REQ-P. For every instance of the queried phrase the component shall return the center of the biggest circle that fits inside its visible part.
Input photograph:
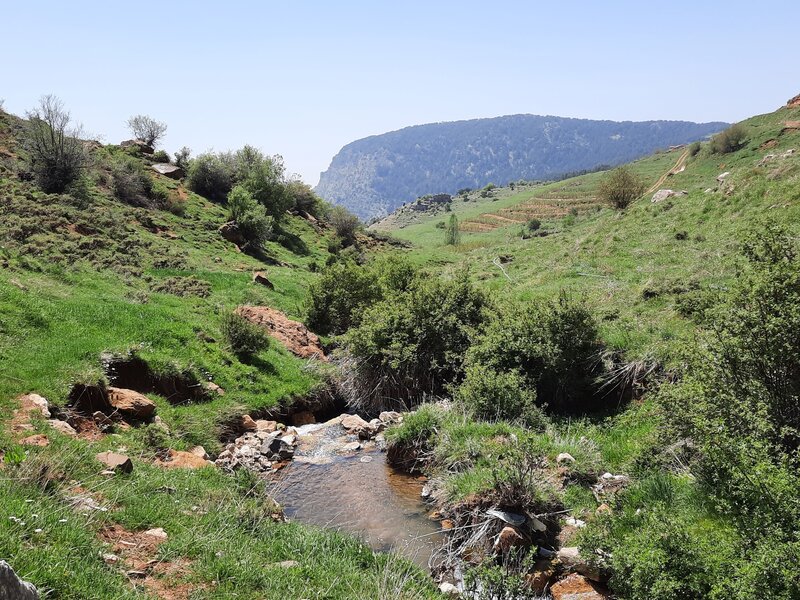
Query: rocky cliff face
(375, 175)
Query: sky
(302, 78)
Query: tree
(263, 177)
(345, 223)
(147, 129)
(250, 217)
(620, 187)
(182, 158)
(55, 152)
(452, 236)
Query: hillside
(375, 175)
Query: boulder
(63, 427)
(292, 334)
(14, 588)
(199, 451)
(353, 423)
(565, 458)
(157, 533)
(115, 461)
(248, 424)
(507, 539)
(794, 102)
(179, 459)
(38, 440)
(664, 194)
(168, 170)
(34, 403)
(261, 278)
(268, 426)
(131, 403)
(138, 146)
(213, 388)
(540, 577)
(305, 417)
(230, 231)
(577, 587)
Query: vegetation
(344, 223)
(250, 217)
(729, 140)
(244, 338)
(147, 129)
(452, 236)
(620, 187)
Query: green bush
(553, 346)
(211, 175)
(452, 234)
(244, 338)
(620, 187)
(534, 224)
(130, 182)
(694, 148)
(160, 156)
(494, 396)
(345, 224)
(250, 217)
(729, 140)
(263, 177)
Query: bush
(452, 234)
(729, 140)
(620, 187)
(244, 338)
(694, 148)
(304, 199)
(130, 183)
(263, 177)
(182, 158)
(211, 175)
(534, 224)
(56, 155)
(250, 217)
(494, 396)
(147, 129)
(552, 346)
(344, 223)
(160, 156)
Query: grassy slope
(64, 299)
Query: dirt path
(675, 169)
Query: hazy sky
(304, 78)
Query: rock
(448, 589)
(571, 560)
(577, 587)
(102, 421)
(305, 417)
(213, 388)
(37, 440)
(168, 170)
(353, 423)
(261, 278)
(199, 451)
(178, 459)
(542, 575)
(157, 533)
(115, 461)
(138, 145)
(788, 153)
(664, 194)
(282, 448)
(351, 447)
(63, 427)
(110, 559)
(231, 232)
(34, 403)
(603, 509)
(292, 334)
(131, 403)
(537, 525)
(14, 588)
(390, 417)
(790, 126)
(565, 458)
(427, 492)
(247, 423)
(722, 176)
(366, 459)
(573, 522)
(507, 539)
(507, 517)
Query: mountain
(374, 175)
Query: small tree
(621, 187)
(147, 129)
(729, 140)
(452, 235)
(345, 223)
(55, 152)
(182, 158)
(250, 217)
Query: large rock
(292, 334)
(179, 459)
(36, 404)
(794, 102)
(577, 587)
(571, 560)
(664, 194)
(115, 461)
(63, 427)
(507, 539)
(130, 403)
(14, 588)
(138, 145)
(168, 170)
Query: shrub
(263, 177)
(304, 199)
(182, 158)
(56, 155)
(551, 345)
(129, 181)
(729, 140)
(452, 234)
(620, 187)
(250, 217)
(160, 156)
(211, 175)
(147, 129)
(694, 148)
(344, 223)
(440, 225)
(534, 224)
(491, 395)
(244, 338)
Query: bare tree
(55, 152)
(147, 129)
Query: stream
(331, 484)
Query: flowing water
(358, 493)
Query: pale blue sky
(304, 78)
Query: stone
(305, 417)
(722, 176)
(213, 388)
(179, 459)
(102, 421)
(268, 426)
(565, 458)
(37, 440)
(292, 334)
(284, 564)
(390, 417)
(537, 525)
(354, 423)
(199, 451)
(794, 102)
(507, 539)
(664, 194)
(577, 587)
(168, 170)
(131, 403)
(63, 427)
(35, 403)
(14, 588)
(261, 278)
(157, 533)
(115, 461)
(542, 575)
(351, 447)
(571, 560)
(366, 458)
(603, 509)
(138, 145)
(248, 424)
(110, 559)
(448, 589)
(231, 232)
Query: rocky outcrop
(292, 334)
(260, 451)
(138, 146)
(261, 278)
(168, 170)
(231, 232)
(14, 588)
(664, 194)
(794, 102)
